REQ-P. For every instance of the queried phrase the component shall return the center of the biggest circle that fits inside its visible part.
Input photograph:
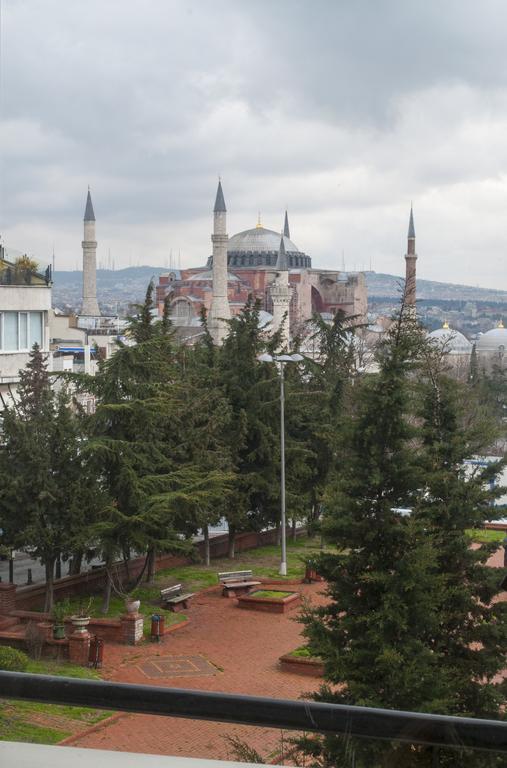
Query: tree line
(183, 436)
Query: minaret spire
(220, 310)
(410, 267)
(280, 295)
(286, 230)
(89, 305)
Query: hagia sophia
(252, 269)
(269, 266)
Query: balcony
(435, 733)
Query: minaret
(280, 294)
(410, 264)
(90, 305)
(220, 310)
(286, 230)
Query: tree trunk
(76, 563)
(106, 594)
(58, 570)
(294, 529)
(152, 555)
(207, 558)
(49, 566)
(232, 542)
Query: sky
(343, 112)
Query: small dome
(494, 340)
(259, 240)
(453, 341)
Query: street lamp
(282, 360)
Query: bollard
(96, 653)
(29, 579)
(157, 627)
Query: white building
(25, 302)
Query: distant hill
(388, 286)
(127, 285)
(121, 286)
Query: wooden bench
(174, 596)
(236, 582)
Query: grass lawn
(150, 603)
(36, 723)
(486, 535)
(264, 561)
(270, 593)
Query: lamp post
(282, 360)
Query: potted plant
(311, 571)
(27, 266)
(81, 618)
(60, 611)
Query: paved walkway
(222, 649)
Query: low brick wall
(92, 582)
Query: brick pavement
(243, 647)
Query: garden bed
(270, 600)
(301, 662)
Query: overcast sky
(342, 111)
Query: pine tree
(45, 507)
(251, 390)
(408, 597)
(472, 626)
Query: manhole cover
(177, 666)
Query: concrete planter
(302, 665)
(254, 602)
(80, 624)
(132, 606)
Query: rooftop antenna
(343, 260)
(53, 259)
(179, 258)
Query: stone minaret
(90, 305)
(286, 230)
(220, 310)
(410, 262)
(280, 294)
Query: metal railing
(351, 721)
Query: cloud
(345, 112)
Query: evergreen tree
(472, 627)
(408, 597)
(46, 507)
(251, 390)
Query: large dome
(259, 247)
(259, 240)
(493, 341)
(453, 341)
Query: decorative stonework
(177, 666)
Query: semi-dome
(453, 341)
(493, 341)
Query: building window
(19, 331)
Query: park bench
(236, 582)
(173, 596)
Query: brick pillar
(79, 648)
(7, 598)
(131, 628)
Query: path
(243, 648)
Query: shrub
(13, 660)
